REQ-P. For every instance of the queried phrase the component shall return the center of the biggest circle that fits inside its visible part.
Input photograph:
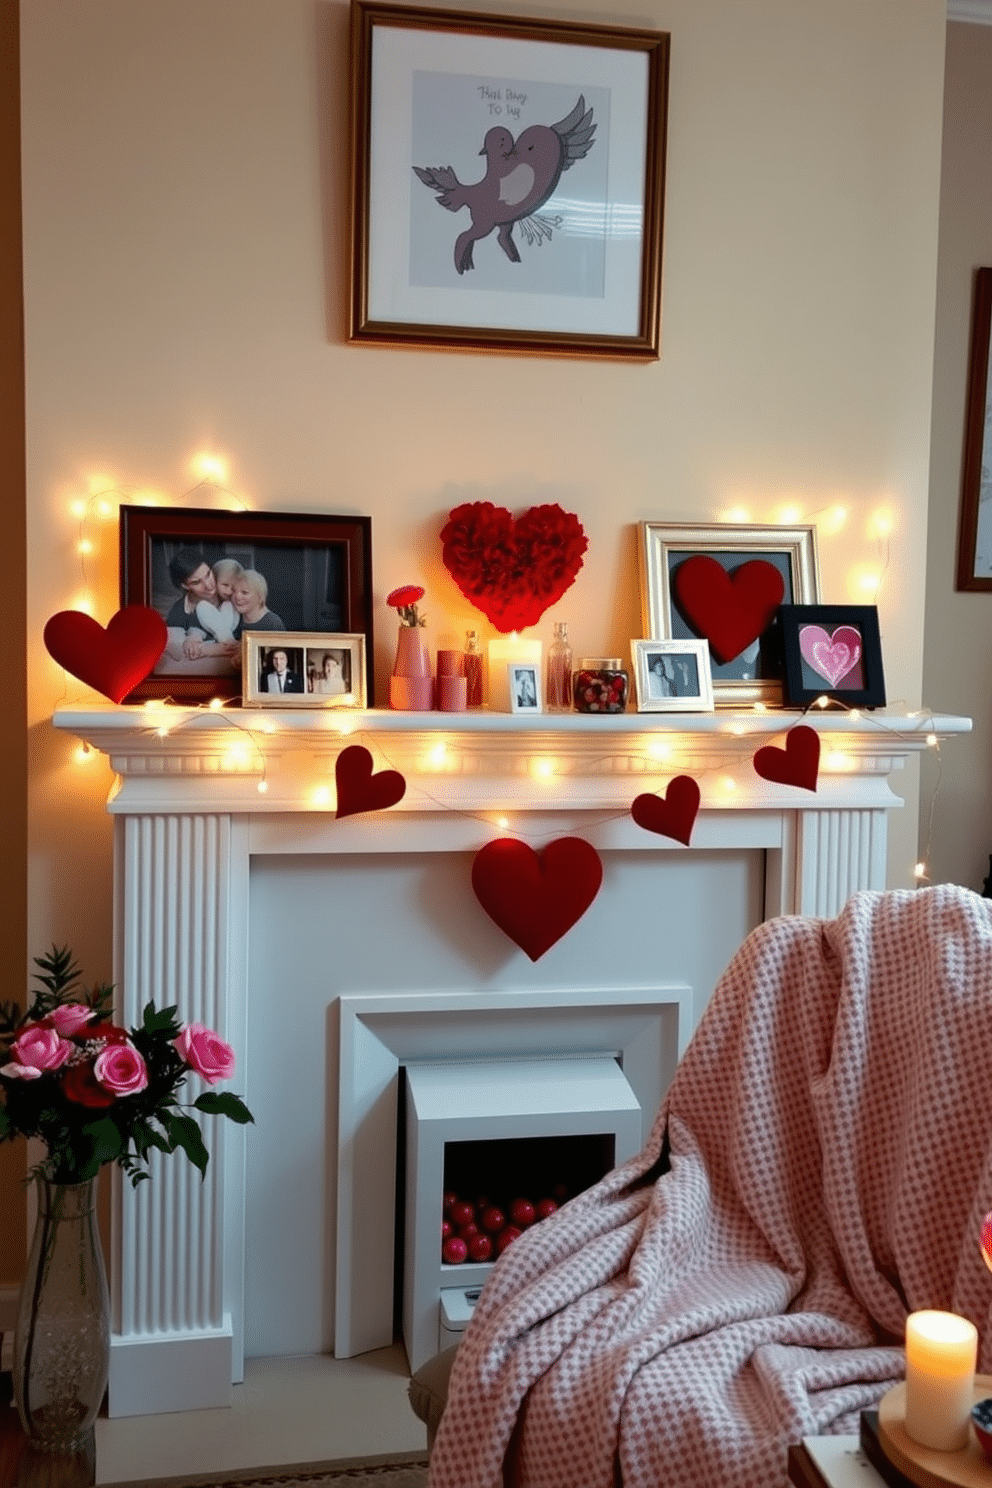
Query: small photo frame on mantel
(298, 669)
(525, 688)
(672, 676)
(832, 651)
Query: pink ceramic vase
(411, 686)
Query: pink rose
(121, 1069)
(37, 1050)
(69, 1018)
(205, 1052)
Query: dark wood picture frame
(974, 539)
(804, 684)
(334, 582)
(447, 77)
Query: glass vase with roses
(93, 1092)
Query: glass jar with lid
(600, 684)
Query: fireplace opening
(492, 1146)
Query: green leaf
(223, 1103)
(184, 1132)
(163, 1021)
(106, 1141)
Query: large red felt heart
(536, 900)
(359, 789)
(670, 815)
(512, 570)
(797, 764)
(112, 660)
(730, 609)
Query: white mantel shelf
(171, 758)
(199, 795)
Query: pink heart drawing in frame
(834, 655)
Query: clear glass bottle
(559, 686)
(473, 670)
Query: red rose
(80, 1085)
(400, 598)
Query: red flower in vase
(404, 600)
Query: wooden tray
(968, 1468)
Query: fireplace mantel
(199, 795)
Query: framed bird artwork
(507, 182)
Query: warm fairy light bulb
(502, 823)
(346, 727)
(736, 727)
(760, 708)
(833, 520)
(932, 740)
(854, 713)
(84, 546)
(262, 787)
(823, 701)
(84, 754)
(216, 703)
(105, 510)
(839, 760)
(736, 514)
(439, 754)
(209, 467)
(83, 602)
(321, 795)
(77, 508)
(880, 523)
(789, 516)
(236, 757)
(660, 749)
(869, 581)
(920, 870)
(729, 785)
(163, 730)
(542, 769)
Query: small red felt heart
(536, 900)
(730, 609)
(512, 569)
(359, 789)
(670, 815)
(112, 660)
(797, 764)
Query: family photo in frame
(297, 669)
(217, 576)
(672, 676)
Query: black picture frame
(431, 84)
(974, 533)
(318, 569)
(808, 677)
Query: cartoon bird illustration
(520, 177)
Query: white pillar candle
(941, 1353)
(504, 652)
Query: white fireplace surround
(199, 795)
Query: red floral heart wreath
(512, 569)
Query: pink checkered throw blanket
(830, 1131)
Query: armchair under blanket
(819, 1168)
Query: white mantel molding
(172, 759)
(189, 818)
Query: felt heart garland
(535, 900)
(512, 569)
(671, 815)
(361, 790)
(113, 660)
(729, 609)
(797, 764)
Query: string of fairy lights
(248, 753)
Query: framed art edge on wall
(398, 299)
(974, 533)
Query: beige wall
(185, 225)
(12, 737)
(958, 654)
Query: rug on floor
(389, 1471)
